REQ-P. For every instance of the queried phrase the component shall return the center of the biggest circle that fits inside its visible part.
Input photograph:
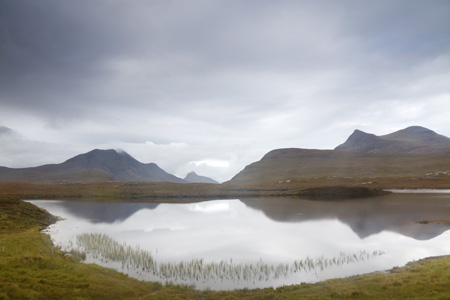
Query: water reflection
(276, 231)
(396, 212)
(97, 212)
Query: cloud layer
(224, 82)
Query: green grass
(30, 269)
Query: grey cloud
(253, 74)
(64, 45)
(6, 131)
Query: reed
(105, 248)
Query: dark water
(273, 232)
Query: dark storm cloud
(53, 48)
(49, 51)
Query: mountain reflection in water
(98, 212)
(399, 213)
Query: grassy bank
(331, 187)
(31, 268)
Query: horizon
(122, 151)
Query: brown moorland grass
(304, 164)
(181, 192)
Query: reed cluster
(105, 248)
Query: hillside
(414, 139)
(412, 152)
(96, 165)
(287, 164)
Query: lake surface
(228, 244)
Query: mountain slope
(414, 139)
(194, 178)
(414, 151)
(96, 165)
(287, 164)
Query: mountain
(412, 152)
(288, 164)
(96, 165)
(414, 139)
(194, 178)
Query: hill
(412, 152)
(96, 165)
(414, 139)
(287, 164)
(195, 178)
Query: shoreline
(419, 191)
(32, 269)
(275, 287)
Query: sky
(212, 85)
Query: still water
(248, 243)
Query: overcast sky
(211, 86)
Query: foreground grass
(30, 268)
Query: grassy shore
(31, 268)
(330, 187)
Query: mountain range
(413, 151)
(96, 165)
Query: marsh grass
(105, 248)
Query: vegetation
(331, 187)
(141, 261)
(31, 268)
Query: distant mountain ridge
(195, 178)
(413, 151)
(414, 139)
(96, 165)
